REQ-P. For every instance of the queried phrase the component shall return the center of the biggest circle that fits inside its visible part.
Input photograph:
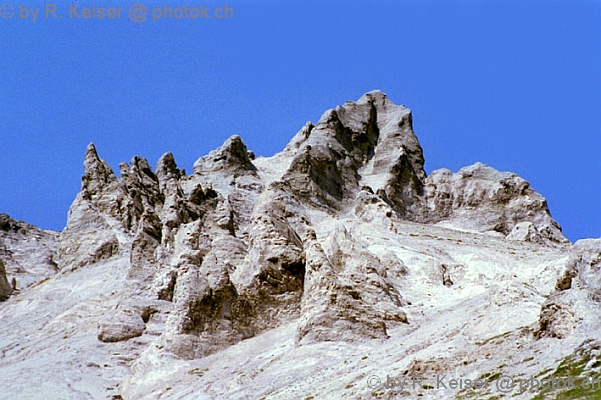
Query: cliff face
(227, 245)
(339, 240)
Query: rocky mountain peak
(232, 156)
(365, 143)
(340, 244)
(97, 174)
(167, 168)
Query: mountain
(335, 269)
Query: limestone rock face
(370, 142)
(350, 297)
(28, 253)
(563, 308)
(291, 272)
(587, 264)
(556, 320)
(233, 157)
(525, 231)
(480, 198)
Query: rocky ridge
(27, 255)
(340, 240)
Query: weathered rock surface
(289, 272)
(5, 288)
(28, 253)
(122, 325)
(482, 199)
(348, 298)
(564, 307)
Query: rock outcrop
(121, 325)
(27, 252)
(564, 307)
(339, 240)
(347, 295)
(482, 199)
(5, 288)
(224, 246)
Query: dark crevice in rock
(167, 292)
(283, 277)
(446, 275)
(5, 288)
(205, 314)
(200, 195)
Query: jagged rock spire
(97, 174)
(232, 156)
(167, 168)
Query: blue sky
(513, 84)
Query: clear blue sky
(513, 84)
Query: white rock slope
(334, 269)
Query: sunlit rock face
(28, 255)
(303, 265)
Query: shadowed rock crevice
(404, 189)
(5, 288)
(166, 293)
(216, 308)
